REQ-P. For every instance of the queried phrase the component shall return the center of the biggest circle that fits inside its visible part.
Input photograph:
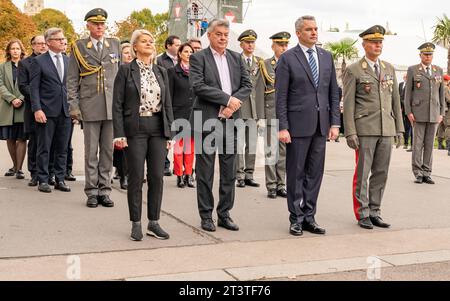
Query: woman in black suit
(182, 97)
(142, 118)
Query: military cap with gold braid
(374, 33)
(427, 48)
(248, 35)
(97, 15)
(281, 37)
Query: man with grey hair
(51, 109)
(93, 67)
(307, 99)
(221, 82)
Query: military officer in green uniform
(252, 109)
(275, 150)
(92, 69)
(447, 112)
(372, 118)
(425, 108)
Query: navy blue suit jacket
(300, 105)
(48, 92)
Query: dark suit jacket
(127, 99)
(164, 61)
(24, 78)
(300, 105)
(181, 93)
(48, 93)
(401, 90)
(205, 80)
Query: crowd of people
(135, 105)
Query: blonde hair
(136, 35)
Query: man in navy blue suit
(51, 110)
(308, 111)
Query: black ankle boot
(189, 180)
(180, 182)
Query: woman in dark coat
(182, 101)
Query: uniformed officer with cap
(92, 69)
(275, 150)
(372, 117)
(252, 109)
(425, 107)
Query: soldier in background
(447, 112)
(93, 67)
(408, 128)
(425, 106)
(252, 109)
(275, 150)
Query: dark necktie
(428, 71)
(59, 67)
(99, 47)
(249, 62)
(313, 65)
(377, 71)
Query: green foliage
(48, 18)
(344, 49)
(442, 35)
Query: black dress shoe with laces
(51, 181)
(282, 193)
(365, 223)
(240, 184)
(208, 225)
(61, 186)
(136, 232)
(227, 223)
(313, 228)
(296, 229)
(251, 183)
(378, 221)
(189, 180)
(33, 182)
(70, 177)
(419, 180)
(428, 180)
(44, 187)
(272, 194)
(92, 201)
(105, 201)
(155, 230)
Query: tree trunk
(448, 60)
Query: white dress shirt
(316, 57)
(372, 64)
(224, 71)
(173, 58)
(53, 56)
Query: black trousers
(69, 165)
(32, 153)
(305, 161)
(225, 143)
(408, 130)
(56, 131)
(149, 145)
(120, 162)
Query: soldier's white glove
(353, 142)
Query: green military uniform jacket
(90, 80)
(253, 107)
(8, 92)
(268, 70)
(447, 100)
(371, 105)
(424, 94)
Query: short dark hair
(170, 41)
(180, 50)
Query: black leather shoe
(296, 229)
(92, 201)
(44, 187)
(272, 194)
(20, 175)
(155, 230)
(124, 183)
(365, 223)
(33, 182)
(61, 186)
(167, 172)
(313, 228)
(282, 192)
(105, 201)
(378, 221)
(428, 180)
(51, 181)
(240, 184)
(251, 183)
(419, 180)
(189, 180)
(70, 177)
(208, 225)
(136, 232)
(228, 224)
(180, 182)
(10, 173)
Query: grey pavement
(43, 236)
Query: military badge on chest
(366, 84)
(114, 58)
(388, 82)
(418, 81)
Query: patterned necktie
(313, 65)
(59, 67)
(249, 62)
(377, 71)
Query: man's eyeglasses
(39, 44)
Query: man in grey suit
(425, 107)
(221, 82)
(308, 109)
(93, 66)
(252, 109)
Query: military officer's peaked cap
(281, 37)
(427, 48)
(248, 35)
(374, 33)
(97, 15)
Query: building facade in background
(33, 7)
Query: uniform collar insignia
(383, 65)
(106, 43)
(364, 65)
(89, 44)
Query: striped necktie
(313, 65)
